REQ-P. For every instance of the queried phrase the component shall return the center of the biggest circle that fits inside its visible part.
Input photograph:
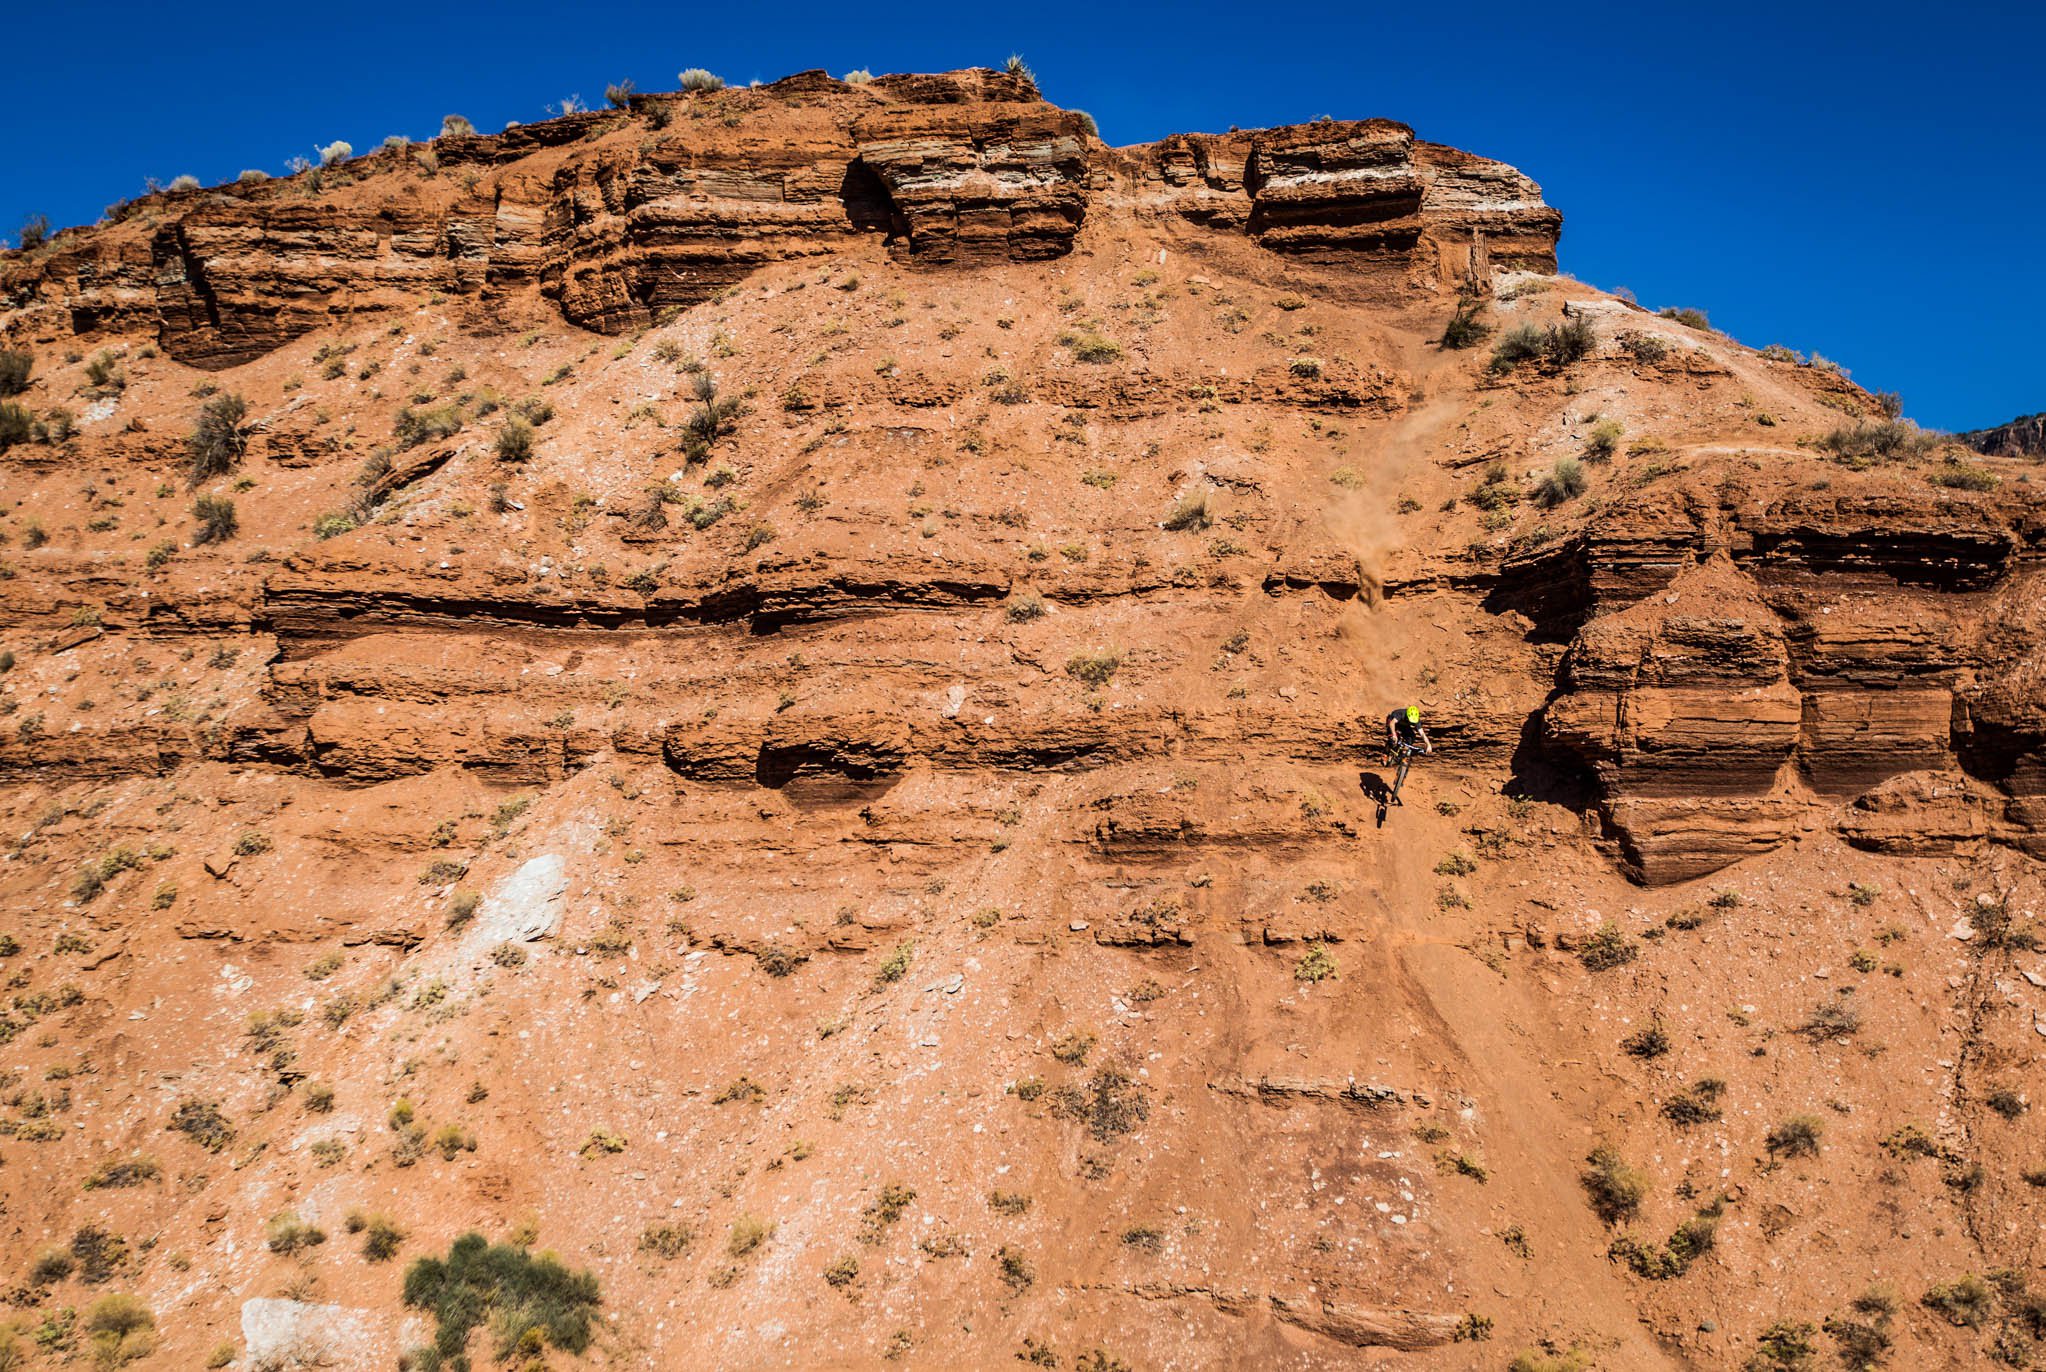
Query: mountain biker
(1404, 737)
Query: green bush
(14, 371)
(288, 1234)
(1565, 481)
(1963, 476)
(1689, 318)
(17, 425)
(1465, 329)
(414, 427)
(216, 519)
(515, 440)
(530, 1301)
(697, 79)
(1557, 346)
(1608, 947)
(1786, 1346)
(202, 1122)
(120, 1326)
(455, 126)
(1093, 668)
(1603, 440)
(1614, 1188)
(1867, 442)
(35, 231)
(218, 439)
(1966, 1302)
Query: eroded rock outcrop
(619, 216)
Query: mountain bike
(1400, 754)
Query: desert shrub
(453, 1139)
(35, 231)
(381, 1237)
(1465, 329)
(51, 1265)
(337, 151)
(1966, 1302)
(1649, 1042)
(455, 126)
(1956, 474)
(129, 1172)
(1796, 1137)
(2006, 1102)
(515, 440)
(1190, 512)
(121, 1329)
(215, 518)
(710, 420)
(1316, 964)
(218, 439)
(1306, 368)
(618, 95)
(1690, 1241)
(1696, 1104)
(844, 1271)
(1833, 1019)
(1786, 1346)
(1867, 442)
(1521, 343)
(1093, 668)
(286, 1233)
(333, 524)
(1689, 318)
(202, 1123)
(858, 76)
(1090, 346)
(697, 79)
(1015, 1268)
(1565, 481)
(1025, 607)
(104, 371)
(1609, 946)
(666, 1241)
(1008, 1202)
(14, 371)
(1603, 440)
(413, 427)
(1557, 346)
(1110, 1104)
(1644, 347)
(1614, 1188)
(99, 1253)
(897, 964)
(17, 425)
(531, 1301)
(747, 1234)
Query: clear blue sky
(1867, 180)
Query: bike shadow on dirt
(1374, 788)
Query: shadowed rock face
(619, 217)
(2022, 437)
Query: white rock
(281, 1334)
(527, 904)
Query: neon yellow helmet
(1413, 714)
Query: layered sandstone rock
(623, 216)
(1361, 193)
